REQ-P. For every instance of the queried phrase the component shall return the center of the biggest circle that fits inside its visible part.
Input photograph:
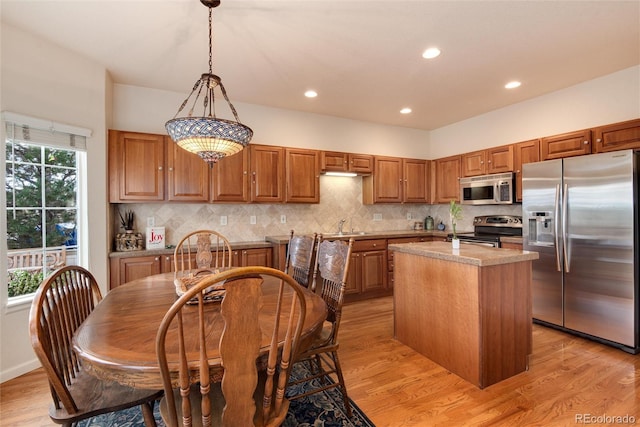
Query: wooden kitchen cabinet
(139, 164)
(367, 276)
(136, 167)
(566, 145)
(126, 269)
(254, 256)
(447, 179)
(267, 166)
(474, 163)
(617, 136)
(416, 174)
(187, 175)
(524, 152)
(333, 161)
(397, 180)
(230, 179)
(302, 170)
(500, 159)
(510, 245)
(486, 162)
(385, 185)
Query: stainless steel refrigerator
(581, 215)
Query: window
(44, 212)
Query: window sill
(20, 303)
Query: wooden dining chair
(62, 302)
(330, 276)
(201, 250)
(256, 358)
(300, 257)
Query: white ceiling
(362, 57)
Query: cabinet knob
(482, 162)
(168, 258)
(159, 168)
(599, 140)
(489, 161)
(586, 142)
(375, 244)
(157, 258)
(170, 169)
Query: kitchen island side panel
(474, 321)
(436, 312)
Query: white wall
(42, 80)
(147, 110)
(609, 99)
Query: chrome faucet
(340, 225)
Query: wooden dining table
(117, 341)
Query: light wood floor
(568, 377)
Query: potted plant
(455, 213)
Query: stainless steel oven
(489, 228)
(487, 189)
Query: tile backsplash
(340, 198)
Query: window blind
(20, 128)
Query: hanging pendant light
(208, 136)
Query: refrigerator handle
(556, 222)
(565, 248)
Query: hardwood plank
(395, 386)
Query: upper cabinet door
(267, 173)
(188, 175)
(416, 180)
(385, 186)
(360, 163)
(333, 161)
(474, 163)
(524, 152)
(136, 167)
(230, 178)
(619, 136)
(500, 159)
(447, 173)
(303, 176)
(566, 145)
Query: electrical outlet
(223, 220)
(283, 219)
(377, 217)
(252, 219)
(151, 221)
(409, 218)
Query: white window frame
(17, 303)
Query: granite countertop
(388, 234)
(481, 256)
(170, 250)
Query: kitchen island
(469, 310)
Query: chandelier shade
(209, 137)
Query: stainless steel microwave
(495, 189)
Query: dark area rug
(323, 409)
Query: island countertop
(467, 254)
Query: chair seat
(217, 404)
(90, 393)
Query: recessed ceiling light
(405, 110)
(512, 85)
(311, 94)
(431, 53)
